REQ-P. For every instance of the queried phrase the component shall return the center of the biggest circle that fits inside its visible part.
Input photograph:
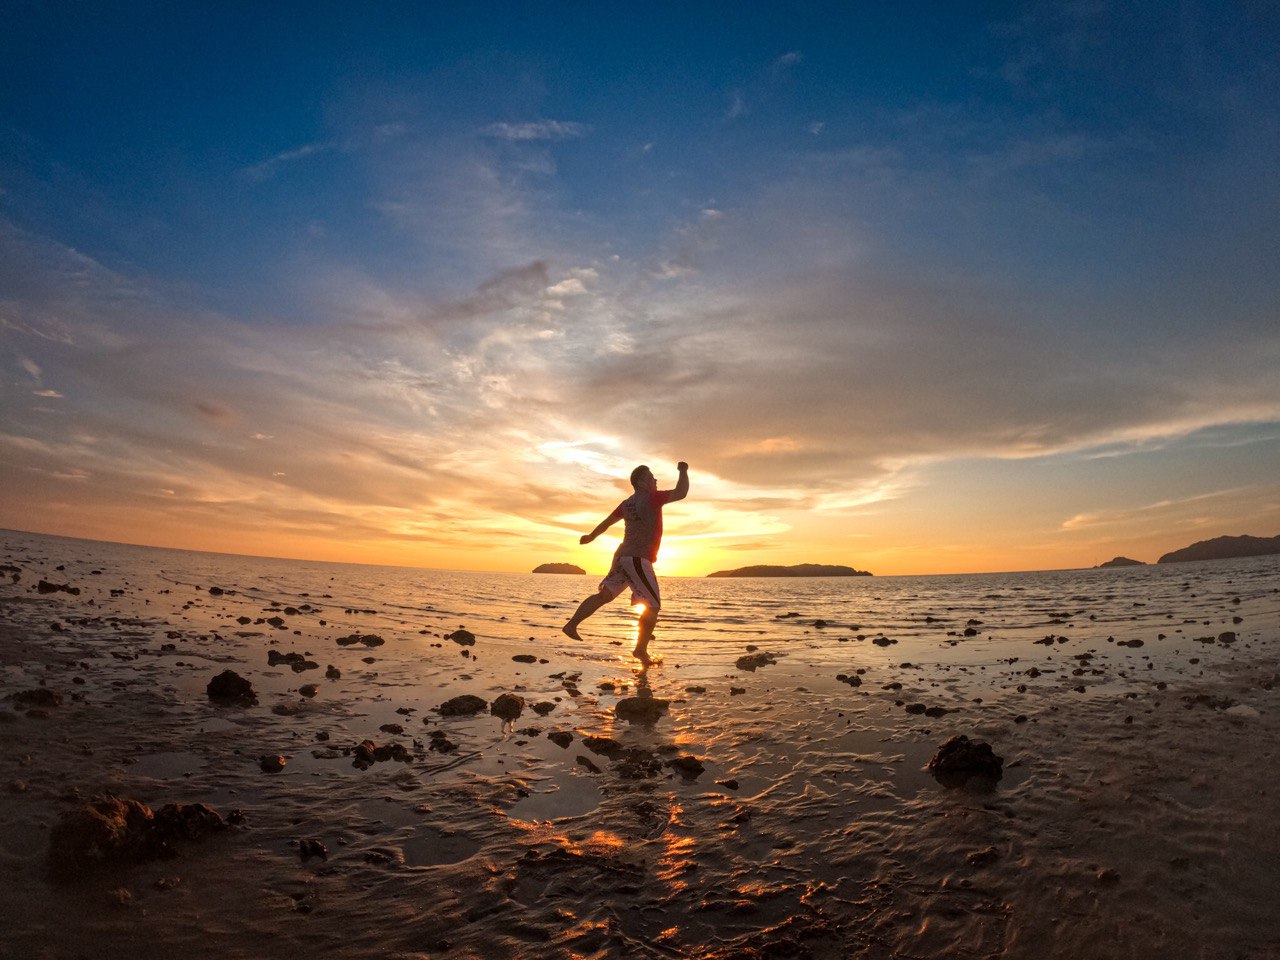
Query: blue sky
(299, 276)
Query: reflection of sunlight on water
(676, 860)
(603, 843)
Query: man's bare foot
(571, 630)
(642, 656)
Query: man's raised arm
(602, 526)
(682, 485)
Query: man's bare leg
(647, 621)
(585, 609)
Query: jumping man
(633, 560)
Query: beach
(773, 806)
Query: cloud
(792, 58)
(536, 130)
(737, 105)
(266, 169)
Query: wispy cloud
(536, 130)
(266, 169)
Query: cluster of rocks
(296, 661)
(109, 828)
(368, 639)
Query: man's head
(642, 479)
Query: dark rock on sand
(295, 660)
(271, 763)
(111, 829)
(508, 706)
(464, 638)
(543, 707)
(753, 661)
(308, 690)
(230, 687)
(852, 679)
(44, 586)
(312, 848)
(524, 658)
(688, 766)
(368, 639)
(641, 709)
(561, 738)
(462, 706)
(41, 698)
(558, 568)
(332, 673)
(960, 758)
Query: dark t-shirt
(642, 513)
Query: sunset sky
(918, 288)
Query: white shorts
(636, 573)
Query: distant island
(557, 568)
(796, 570)
(1225, 548)
(1120, 562)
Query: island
(1120, 562)
(795, 570)
(557, 568)
(1225, 548)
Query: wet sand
(1136, 815)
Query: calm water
(701, 616)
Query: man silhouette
(633, 560)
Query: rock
(462, 706)
(525, 658)
(44, 586)
(561, 738)
(883, 641)
(368, 639)
(1228, 636)
(960, 758)
(509, 706)
(543, 707)
(980, 858)
(295, 660)
(271, 763)
(312, 848)
(308, 690)
(641, 709)
(230, 687)
(40, 697)
(109, 828)
(216, 591)
(440, 743)
(688, 766)
(464, 638)
(332, 673)
(753, 661)
(603, 746)
(915, 708)
(394, 728)
(852, 679)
